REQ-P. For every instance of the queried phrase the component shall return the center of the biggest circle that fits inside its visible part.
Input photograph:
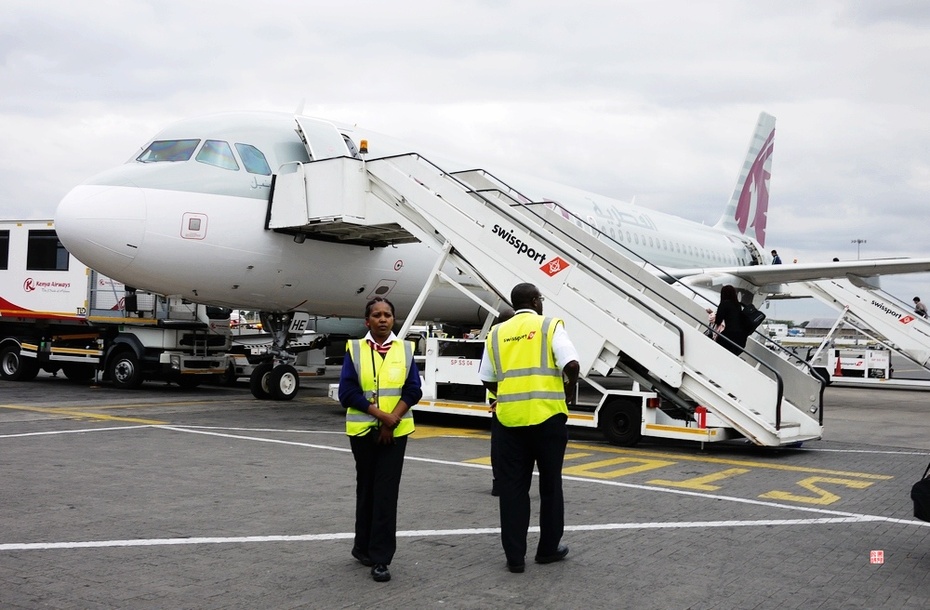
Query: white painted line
(255, 438)
(51, 432)
(287, 430)
(45, 546)
(875, 451)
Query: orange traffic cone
(839, 368)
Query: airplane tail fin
(747, 211)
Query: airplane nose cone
(103, 226)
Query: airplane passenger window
(168, 150)
(45, 253)
(218, 153)
(4, 249)
(253, 159)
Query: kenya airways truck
(56, 314)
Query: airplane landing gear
(276, 378)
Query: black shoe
(363, 558)
(380, 573)
(559, 555)
(516, 567)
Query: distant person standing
(776, 260)
(379, 384)
(524, 363)
(919, 308)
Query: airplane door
(322, 139)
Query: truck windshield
(168, 150)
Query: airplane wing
(767, 278)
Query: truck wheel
(258, 381)
(14, 367)
(124, 370)
(283, 382)
(78, 372)
(620, 421)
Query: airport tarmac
(171, 498)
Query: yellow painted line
(82, 414)
(729, 462)
(422, 431)
(183, 403)
(703, 483)
(576, 455)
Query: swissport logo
(556, 265)
(518, 244)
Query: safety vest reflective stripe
(387, 387)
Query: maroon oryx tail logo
(757, 183)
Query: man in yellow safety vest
(532, 366)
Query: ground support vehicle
(59, 315)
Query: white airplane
(188, 214)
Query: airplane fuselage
(182, 219)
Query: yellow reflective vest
(529, 386)
(382, 380)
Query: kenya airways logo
(31, 285)
(757, 183)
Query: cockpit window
(218, 153)
(253, 159)
(168, 150)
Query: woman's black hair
(370, 303)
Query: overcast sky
(653, 101)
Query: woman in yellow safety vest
(379, 384)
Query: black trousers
(514, 451)
(377, 484)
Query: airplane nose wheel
(258, 381)
(269, 382)
(283, 382)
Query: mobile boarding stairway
(617, 312)
(872, 311)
